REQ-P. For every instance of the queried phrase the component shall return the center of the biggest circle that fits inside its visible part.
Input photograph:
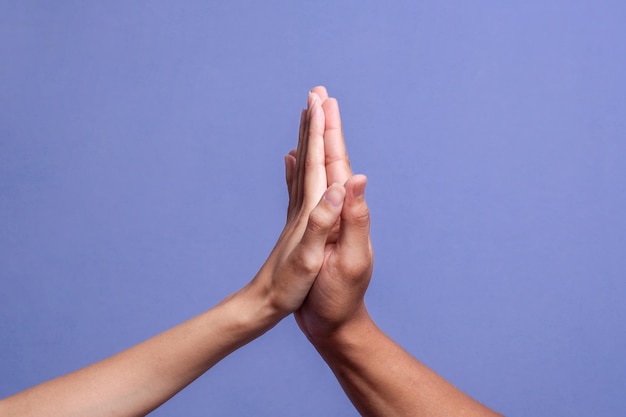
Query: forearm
(136, 381)
(382, 379)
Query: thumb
(321, 221)
(355, 216)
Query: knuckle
(318, 222)
(308, 261)
(360, 215)
(333, 159)
(309, 162)
(314, 158)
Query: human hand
(137, 380)
(336, 297)
(315, 206)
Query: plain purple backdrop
(141, 181)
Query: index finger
(336, 160)
(314, 172)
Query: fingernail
(359, 191)
(312, 99)
(334, 195)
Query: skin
(319, 270)
(138, 380)
(379, 377)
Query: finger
(290, 173)
(354, 233)
(295, 198)
(290, 168)
(337, 162)
(321, 92)
(321, 220)
(314, 171)
(307, 257)
(301, 152)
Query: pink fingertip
(359, 189)
(313, 97)
(335, 195)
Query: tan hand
(336, 297)
(287, 276)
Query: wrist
(252, 311)
(350, 332)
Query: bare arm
(136, 381)
(380, 378)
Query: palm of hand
(339, 288)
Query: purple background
(141, 181)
